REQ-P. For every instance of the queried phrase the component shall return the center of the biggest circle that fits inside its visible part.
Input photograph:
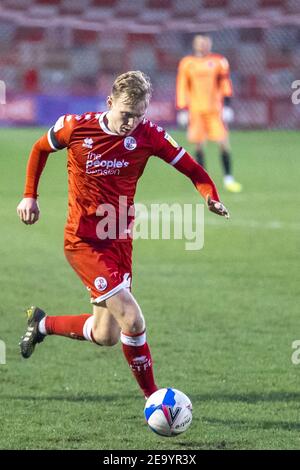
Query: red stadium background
(61, 56)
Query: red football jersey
(102, 166)
(103, 170)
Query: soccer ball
(168, 412)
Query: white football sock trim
(87, 329)
(42, 326)
(139, 340)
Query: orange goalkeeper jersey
(202, 83)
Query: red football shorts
(104, 269)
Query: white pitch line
(270, 225)
(218, 222)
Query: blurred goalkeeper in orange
(203, 97)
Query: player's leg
(200, 156)
(100, 328)
(225, 154)
(218, 132)
(104, 329)
(197, 135)
(130, 319)
(39, 325)
(107, 274)
(92, 268)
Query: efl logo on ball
(168, 412)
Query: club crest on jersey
(100, 283)
(130, 143)
(88, 143)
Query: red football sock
(138, 356)
(72, 326)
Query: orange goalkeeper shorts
(104, 269)
(206, 126)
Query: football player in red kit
(107, 154)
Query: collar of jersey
(103, 126)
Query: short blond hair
(136, 85)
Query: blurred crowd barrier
(61, 56)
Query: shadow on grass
(211, 445)
(248, 397)
(251, 398)
(72, 398)
(204, 397)
(260, 424)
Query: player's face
(122, 117)
(202, 45)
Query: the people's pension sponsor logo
(96, 165)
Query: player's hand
(28, 210)
(217, 207)
(182, 118)
(228, 114)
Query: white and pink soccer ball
(168, 412)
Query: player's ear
(109, 101)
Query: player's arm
(182, 94)
(167, 148)
(225, 86)
(184, 163)
(28, 209)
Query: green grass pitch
(221, 321)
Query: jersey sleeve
(59, 135)
(199, 177)
(225, 84)
(166, 148)
(35, 165)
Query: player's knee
(133, 324)
(130, 319)
(127, 312)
